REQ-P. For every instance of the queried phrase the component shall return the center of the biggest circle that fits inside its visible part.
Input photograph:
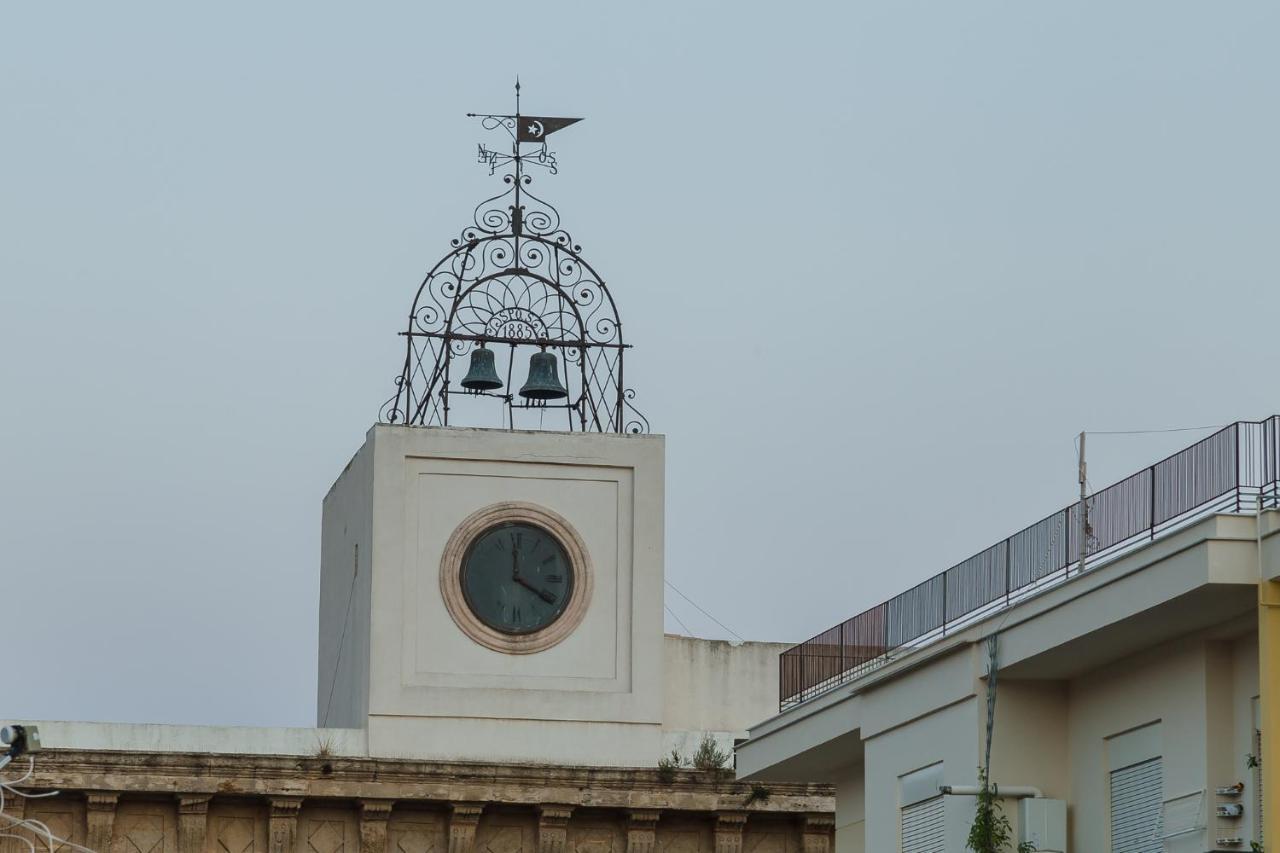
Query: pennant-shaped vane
(538, 128)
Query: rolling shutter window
(923, 827)
(1135, 808)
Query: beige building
(1127, 710)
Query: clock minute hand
(541, 593)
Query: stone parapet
(191, 803)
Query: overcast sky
(880, 262)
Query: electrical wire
(31, 825)
(343, 639)
(1150, 431)
(703, 612)
(679, 621)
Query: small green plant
(759, 794)
(709, 756)
(991, 831)
(668, 765)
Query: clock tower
(497, 594)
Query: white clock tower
(497, 594)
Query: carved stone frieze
(642, 830)
(100, 818)
(553, 823)
(729, 827)
(417, 833)
(125, 802)
(463, 819)
(142, 828)
(63, 816)
(817, 831)
(282, 830)
(373, 825)
(193, 822)
(235, 834)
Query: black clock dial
(516, 578)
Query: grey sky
(880, 263)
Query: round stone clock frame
(451, 570)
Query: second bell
(544, 379)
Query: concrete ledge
(237, 740)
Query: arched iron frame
(515, 279)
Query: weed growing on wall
(991, 831)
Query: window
(923, 811)
(1137, 790)
(1135, 808)
(923, 829)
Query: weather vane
(523, 129)
(515, 280)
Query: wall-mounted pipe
(1016, 792)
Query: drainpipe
(1269, 688)
(1016, 792)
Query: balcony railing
(1232, 470)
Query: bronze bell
(544, 379)
(482, 376)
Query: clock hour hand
(541, 593)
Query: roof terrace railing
(1234, 470)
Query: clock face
(516, 578)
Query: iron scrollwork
(515, 280)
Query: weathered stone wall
(200, 803)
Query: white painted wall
(346, 556)
(717, 685)
(851, 812)
(595, 698)
(1244, 705)
(947, 735)
(1165, 686)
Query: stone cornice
(280, 777)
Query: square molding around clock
(389, 648)
(596, 501)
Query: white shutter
(1135, 808)
(923, 828)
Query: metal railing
(1230, 471)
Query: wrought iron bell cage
(515, 283)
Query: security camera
(20, 739)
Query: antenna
(1084, 507)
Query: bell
(544, 379)
(481, 376)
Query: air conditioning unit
(1043, 823)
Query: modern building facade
(1129, 697)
